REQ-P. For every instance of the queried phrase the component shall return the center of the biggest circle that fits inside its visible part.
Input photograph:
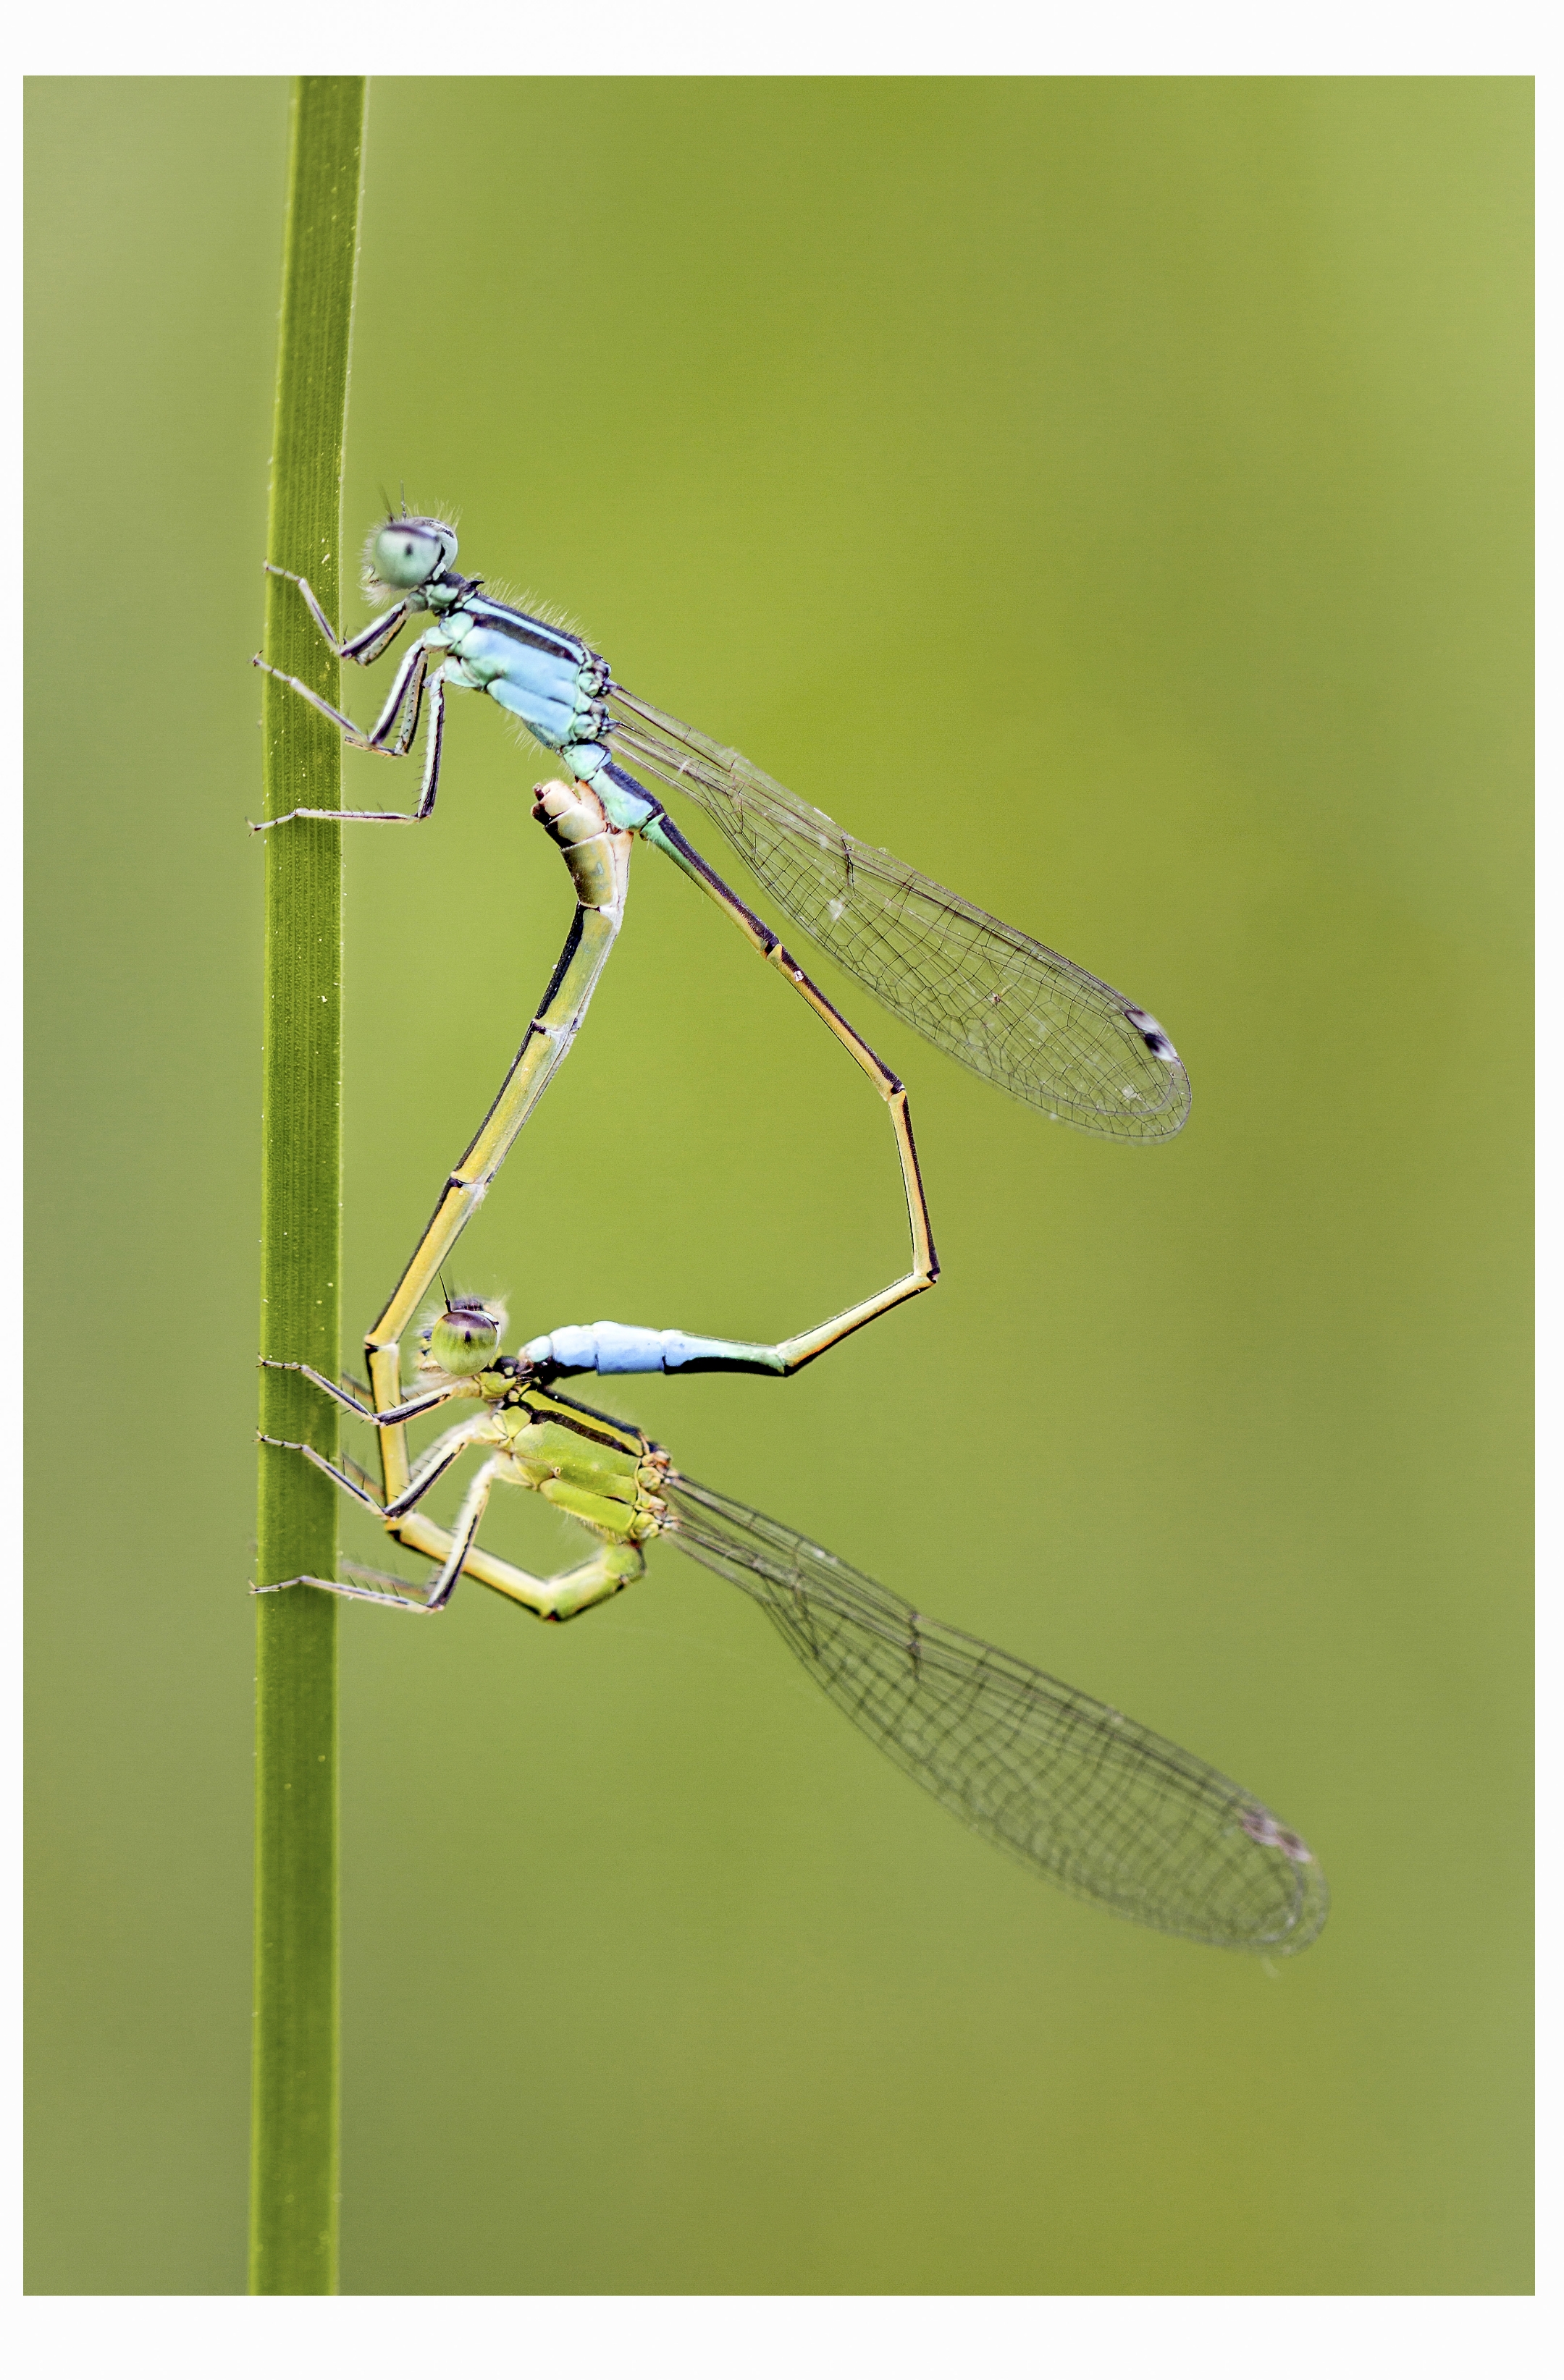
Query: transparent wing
(1007, 1007)
(1111, 1812)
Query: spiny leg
(408, 1601)
(436, 1461)
(408, 1410)
(413, 680)
(432, 1465)
(566, 1596)
(378, 738)
(343, 1475)
(368, 644)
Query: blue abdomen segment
(625, 1347)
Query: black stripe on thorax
(573, 1416)
(524, 630)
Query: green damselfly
(1080, 1794)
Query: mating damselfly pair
(1098, 1804)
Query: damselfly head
(464, 1338)
(406, 552)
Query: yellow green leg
(614, 1566)
(564, 1597)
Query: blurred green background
(1114, 496)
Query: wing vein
(1113, 1813)
(1017, 1012)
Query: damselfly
(1015, 1011)
(1080, 1794)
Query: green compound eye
(466, 1337)
(408, 552)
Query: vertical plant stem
(295, 2118)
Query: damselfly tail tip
(1262, 1827)
(1152, 1034)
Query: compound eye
(466, 1337)
(405, 557)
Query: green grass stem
(295, 2141)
